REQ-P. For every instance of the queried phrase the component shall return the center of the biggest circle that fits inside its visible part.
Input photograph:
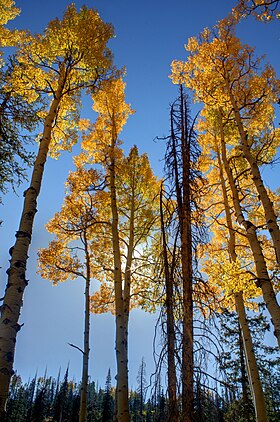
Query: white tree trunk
(9, 325)
(270, 216)
(122, 370)
(263, 280)
(251, 363)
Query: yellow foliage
(229, 278)
(84, 124)
(219, 69)
(86, 214)
(264, 10)
(113, 112)
(57, 264)
(68, 57)
(8, 11)
(9, 38)
(102, 300)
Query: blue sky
(149, 35)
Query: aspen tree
(261, 267)
(70, 56)
(132, 189)
(230, 271)
(259, 254)
(224, 75)
(77, 222)
(251, 363)
(229, 77)
(113, 113)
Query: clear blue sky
(149, 35)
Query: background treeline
(221, 385)
(58, 399)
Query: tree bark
(170, 327)
(251, 363)
(84, 385)
(186, 251)
(270, 216)
(244, 378)
(10, 310)
(127, 271)
(263, 280)
(122, 370)
(183, 196)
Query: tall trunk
(244, 378)
(187, 346)
(251, 363)
(184, 211)
(17, 282)
(233, 257)
(127, 272)
(270, 216)
(186, 244)
(263, 280)
(122, 371)
(170, 330)
(83, 398)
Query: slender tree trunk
(122, 370)
(183, 197)
(127, 272)
(170, 334)
(17, 282)
(251, 363)
(83, 398)
(186, 251)
(187, 340)
(244, 379)
(270, 216)
(263, 280)
(233, 257)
